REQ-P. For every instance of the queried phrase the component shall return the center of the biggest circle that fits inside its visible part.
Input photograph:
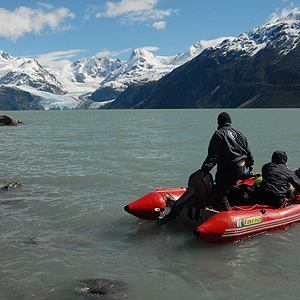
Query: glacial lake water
(80, 168)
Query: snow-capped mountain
(27, 73)
(89, 82)
(92, 67)
(257, 69)
(284, 33)
(88, 74)
(143, 66)
(70, 85)
(85, 74)
(196, 49)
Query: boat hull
(241, 222)
(149, 205)
(237, 223)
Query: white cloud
(106, 53)
(135, 10)
(282, 13)
(58, 58)
(46, 5)
(150, 48)
(14, 24)
(161, 25)
(127, 6)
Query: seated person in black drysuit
(228, 148)
(276, 179)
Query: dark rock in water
(8, 121)
(103, 286)
(10, 186)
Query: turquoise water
(80, 168)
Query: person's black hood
(223, 119)
(279, 157)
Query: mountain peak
(4, 55)
(292, 17)
(283, 33)
(141, 53)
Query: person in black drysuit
(229, 150)
(276, 179)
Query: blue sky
(70, 29)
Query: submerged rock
(8, 121)
(10, 186)
(103, 286)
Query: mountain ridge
(225, 72)
(88, 82)
(253, 70)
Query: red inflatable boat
(237, 223)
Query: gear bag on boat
(241, 194)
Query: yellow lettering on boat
(249, 221)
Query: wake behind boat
(212, 226)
